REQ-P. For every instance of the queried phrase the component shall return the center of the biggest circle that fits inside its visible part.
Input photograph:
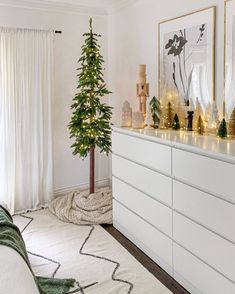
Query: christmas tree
(90, 123)
(156, 111)
(222, 132)
(169, 115)
(176, 122)
(200, 126)
(198, 112)
(214, 119)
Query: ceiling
(75, 6)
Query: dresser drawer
(209, 174)
(196, 276)
(211, 248)
(147, 180)
(152, 211)
(212, 212)
(155, 244)
(148, 153)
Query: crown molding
(55, 7)
(61, 7)
(121, 4)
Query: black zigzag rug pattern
(80, 288)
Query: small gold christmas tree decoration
(232, 124)
(169, 115)
(198, 112)
(200, 126)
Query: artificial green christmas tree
(222, 131)
(176, 122)
(90, 123)
(156, 111)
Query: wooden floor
(150, 265)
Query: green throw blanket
(10, 236)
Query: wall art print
(186, 59)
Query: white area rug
(86, 253)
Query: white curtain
(26, 62)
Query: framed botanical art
(229, 67)
(187, 59)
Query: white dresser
(174, 197)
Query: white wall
(68, 170)
(129, 37)
(133, 39)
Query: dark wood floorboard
(148, 263)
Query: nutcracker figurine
(142, 89)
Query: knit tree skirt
(81, 207)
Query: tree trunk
(92, 170)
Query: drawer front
(196, 276)
(151, 241)
(212, 212)
(148, 181)
(211, 175)
(152, 211)
(148, 153)
(211, 248)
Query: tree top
(90, 22)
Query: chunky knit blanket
(10, 236)
(81, 207)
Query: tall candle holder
(190, 121)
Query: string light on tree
(90, 123)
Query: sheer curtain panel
(26, 63)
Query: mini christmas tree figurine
(90, 123)
(198, 112)
(214, 119)
(181, 112)
(222, 131)
(176, 122)
(169, 115)
(200, 126)
(232, 124)
(148, 117)
(208, 112)
(156, 111)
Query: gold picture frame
(229, 61)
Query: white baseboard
(66, 190)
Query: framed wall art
(187, 59)
(229, 66)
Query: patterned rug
(86, 253)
